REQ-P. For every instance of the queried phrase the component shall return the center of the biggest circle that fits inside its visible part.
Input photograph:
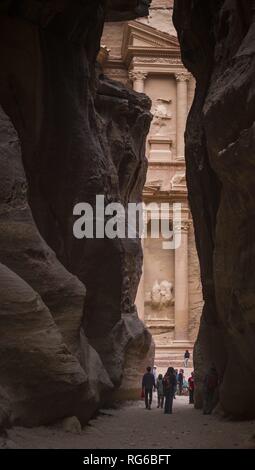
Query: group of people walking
(166, 387)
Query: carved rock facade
(145, 55)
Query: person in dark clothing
(169, 388)
(186, 358)
(211, 381)
(191, 388)
(148, 384)
(176, 375)
(180, 381)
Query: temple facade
(145, 54)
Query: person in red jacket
(191, 388)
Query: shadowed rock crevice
(217, 42)
(67, 135)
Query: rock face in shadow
(121, 10)
(218, 46)
(67, 134)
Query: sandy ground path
(133, 427)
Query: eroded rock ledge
(218, 46)
(68, 323)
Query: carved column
(138, 79)
(182, 79)
(181, 284)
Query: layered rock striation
(218, 47)
(68, 323)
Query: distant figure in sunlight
(148, 384)
(186, 358)
(169, 389)
(160, 391)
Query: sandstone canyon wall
(217, 39)
(68, 324)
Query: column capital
(182, 76)
(137, 75)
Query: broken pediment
(152, 187)
(140, 39)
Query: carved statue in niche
(155, 295)
(160, 296)
(162, 115)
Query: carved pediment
(141, 39)
(152, 187)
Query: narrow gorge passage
(108, 104)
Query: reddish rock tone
(218, 46)
(67, 317)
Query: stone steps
(172, 357)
